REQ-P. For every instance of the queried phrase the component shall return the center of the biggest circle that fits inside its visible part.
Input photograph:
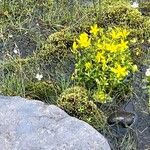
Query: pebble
(122, 118)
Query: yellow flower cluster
(83, 41)
(120, 71)
(119, 33)
(100, 57)
(103, 57)
(94, 30)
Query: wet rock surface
(122, 118)
(32, 125)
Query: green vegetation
(76, 102)
(73, 52)
(125, 16)
(42, 90)
(145, 8)
(103, 60)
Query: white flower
(39, 76)
(16, 49)
(135, 5)
(147, 73)
(10, 35)
(1, 35)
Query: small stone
(122, 118)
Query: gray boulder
(33, 125)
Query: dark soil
(140, 101)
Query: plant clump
(75, 102)
(125, 16)
(23, 77)
(103, 60)
(145, 8)
(55, 53)
(42, 90)
(51, 59)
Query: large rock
(32, 125)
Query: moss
(41, 90)
(55, 54)
(122, 14)
(75, 101)
(53, 47)
(145, 8)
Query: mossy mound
(145, 8)
(55, 55)
(56, 46)
(123, 15)
(42, 90)
(75, 102)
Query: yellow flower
(124, 33)
(134, 68)
(111, 47)
(100, 58)
(94, 30)
(123, 45)
(75, 46)
(88, 65)
(114, 34)
(83, 36)
(84, 40)
(120, 71)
